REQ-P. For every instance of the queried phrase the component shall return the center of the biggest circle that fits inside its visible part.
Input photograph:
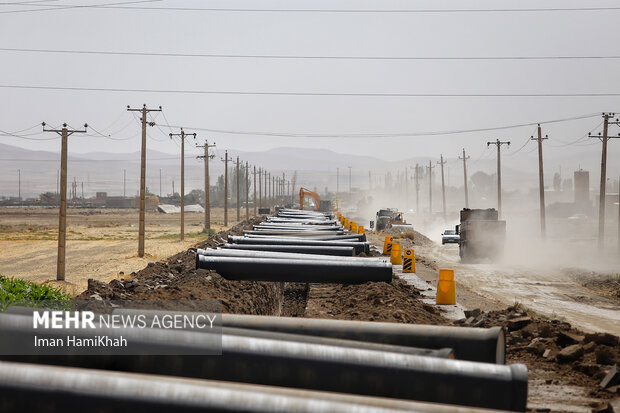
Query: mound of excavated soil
(396, 302)
(555, 353)
(176, 278)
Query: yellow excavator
(306, 192)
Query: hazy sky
(453, 34)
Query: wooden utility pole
(254, 198)
(603, 187)
(270, 198)
(349, 178)
(247, 191)
(260, 187)
(62, 214)
(238, 191)
(443, 186)
(206, 158)
(541, 183)
(499, 173)
(337, 181)
(465, 158)
(125, 182)
(182, 135)
(225, 160)
(417, 189)
(265, 188)
(430, 188)
(141, 226)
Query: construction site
(338, 207)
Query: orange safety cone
(361, 230)
(409, 261)
(446, 292)
(387, 245)
(396, 256)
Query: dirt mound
(555, 353)
(396, 302)
(409, 239)
(176, 278)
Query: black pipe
(475, 344)
(297, 270)
(359, 246)
(291, 233)
(225, 252)
(38, 388)
(298, 249)
(314, 366)
(441, 353)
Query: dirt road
(561, 293)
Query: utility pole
(499, 173)
(465, 158)
(337, 181)
(125, 182)
(406, 191)
(260, 187)
(443, 187)
(225, 160)
(62, 215)
(206, 158)
(247, 191)
(238, 192)
(603, 189)
(430, 188)
(19, 185)
(541, 183)
(160, 182)
(265, 188)
(254, 198)
(349, 179)
(182, 135)
(417, 189)
(269, 198)
(141, 227)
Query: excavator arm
(305, 192)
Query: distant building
(582, 189)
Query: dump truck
(391, 218)
(481, 235)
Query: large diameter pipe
(297, 270)
(475, 344)
(359, 246)
(290, 233)
(221, 252)
(441, 353)
(351, 237)
(320, 367)
(298, 249)
(31, 387)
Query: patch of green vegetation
(209, 231)
(26, 293)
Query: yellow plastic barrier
(353, 227)
(409, 261)
(396, 256)
(346, 223)
(387, 245)
(361, 230)
(446, 291)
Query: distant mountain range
(104, 171)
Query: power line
(293, 57)
(309, 94)
(51, 7)
(355, 11)
(393, 135)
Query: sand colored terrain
(101, 243)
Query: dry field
(101, 243)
